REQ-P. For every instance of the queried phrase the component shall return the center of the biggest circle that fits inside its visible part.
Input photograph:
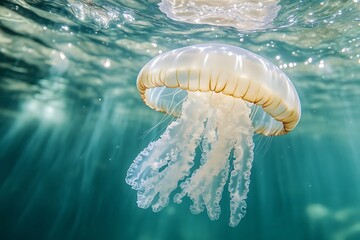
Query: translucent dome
(164, 81)
(241, 14)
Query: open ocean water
(72, 121)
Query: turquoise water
(72, 121)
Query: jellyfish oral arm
(157, 170)
(221, 126)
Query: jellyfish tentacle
(240, 175)
(179, 155)
(193, 117)
(209, 137)
(153, 157)
(206, 183)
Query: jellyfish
(244, 15)
(219, 95)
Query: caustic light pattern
(220, 95)
(241, 14)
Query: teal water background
(71, 122)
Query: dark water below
(71, 122)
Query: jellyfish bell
(241, 14)
(220, 95)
